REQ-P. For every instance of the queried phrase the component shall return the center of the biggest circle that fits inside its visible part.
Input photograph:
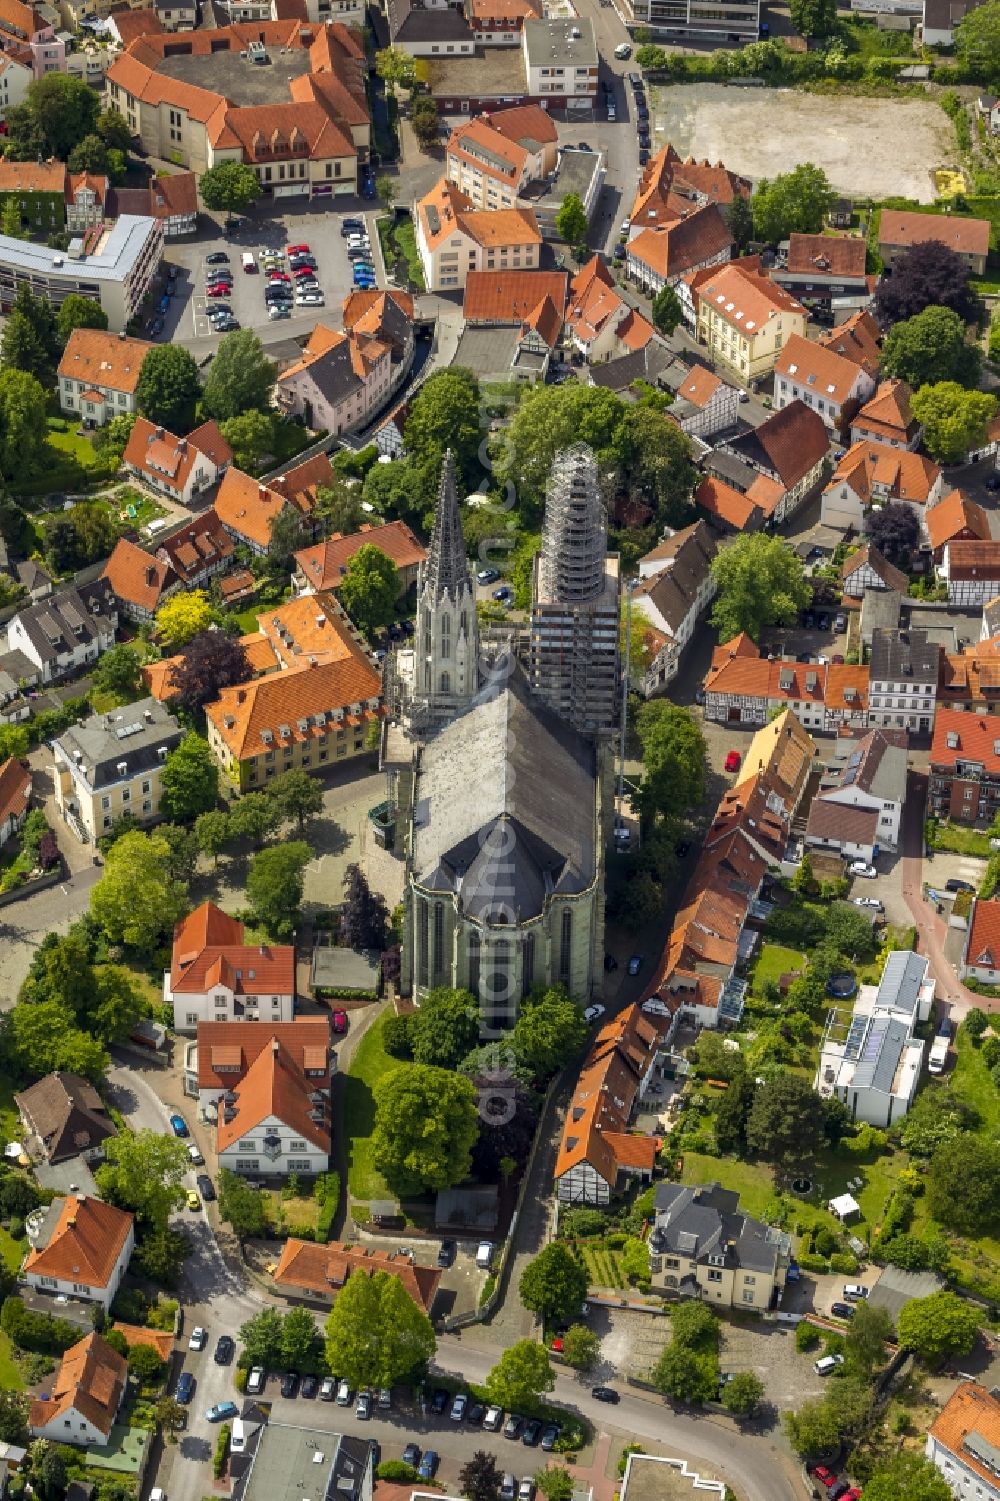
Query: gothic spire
(447, 567)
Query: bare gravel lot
(867, 147)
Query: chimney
(122, 337)
(159, 432)
(151, 575)
(262, 491)
(182, 444)
(275, 1047)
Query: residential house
(533, 302)
(38, 189)
(778, 463)
(64, 1117)
(670, 187)
(653, 365)
(858, 338)
(728, 509)
(704, 404)
(68, 630)
(560, 60)
(964, 1439)
(216, 977)
(86, 197)
(180, 468)
(888, 418)
(317, 1273)
(903, 680)
(981, 954)
(81, 1249)
(658, 256)
(35, 579)
(14, 705)
(15, 797)
(274, 1119)
(899, 231)
(866, 568)
(140, 583)
(493, 170)
(246, 507)
(972, 572)
(699, 23)
(323, 565)
(339, 383)
(199, 553)
(15, 78)
(954, 518)
(821, 268)
(964, 781)
(599, 324)
(313, 715)
(429, 30)
(225, 1050)
(499, 23)
(171, 200)
(940, 18)
(86, 1395)
(597, 1155)
(703, 1245)
(454, 237)
(112, 764)
(98, 375)
(674, 590)
(870, 474)
(745, 320)
(988, 110)
(742, 687)
(870, 1056)
(858, 809)
(831, 385)
(386, 316)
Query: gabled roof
(511, 297)
(826, 255)
(105, 360)
(669, 184)
(952, 516)
(961, 735)
(323, 564)
(686, 560)
(858, 339)
(136, 577)
(871, 468)
(888, 413)
(746, 299)
(682, 243)
(275, 1086)
(718, 499)
(323, 1269)
(299, 702)
(90, 1380)
(968, 1426)
(226, 1050)
(828, 374)
(967, 236)
(385, 315)
(605, 1092)
(66, 1113)
(983, 944)
(204, 543)
(787, 444)
(446, 209)
(32, 177)
(85, 1243)
(247, 507)
(593, 301)
(15, 788)
(528, 124)
(868, 556)
(208, 949)
(484, 148)
(699, 386)
(338, 364)
(169, 460)
(972, 561)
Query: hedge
(221, 1450)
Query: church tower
(446, 639)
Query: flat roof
(114, 258)
(242, 82)
(561, 42)
(495, 73)
(300, 1463)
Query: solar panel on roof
(855, 1036)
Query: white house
(870, 1058)
(85, 1397)
(275, 1119)
(859, 806)
(964, 1441)
(831, 384)
(972, 572)
(215, 976)
(903, 673)
(99, 373)
(981, 957)
(675, 589)
(79, 1247)
(870, 474)
(704, 404)
(67, 631)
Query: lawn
(136, 508)
(368, 1065)
(289, 439)
(11, 1379)
(399, 242)
(65, 439)
(604, 1266)
(247, 619)
(957, 840)
(10, 1121)
(775, 961)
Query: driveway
(24, 924)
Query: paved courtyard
(761, 132)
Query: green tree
(814, 17)
(686, 1374)
(338, 505)
(13, 1417)
(547, 420)
(260, 1337)
(445, 1028)
(930, 348)
(655, 464)
(250, 435)
(118, 672)
(907, 1476)
(666, 310)
(240, 378)
(212, 833)
(254, 817)
(44, 1036)
(695, 1326)
(11, 223)
(111, 440)
(275, 885)
(393, 65)
(426, 1125)
(288, 536)
(229, 187)
(369, 588)
(581, 1347)
(549, 1031)
(169, 385)
(963, 1184)
(30, 341)
(190, 780)
(673, 756)
(760, 582)
(866, 1337)
(385, 187)
(739, 217)
(977, 39)
(784, 1126)
(555, 1483)
(296, 795)
(22, 424)
(136, 902)
(793, 201)
(425, 120)
(813, 1428)
(376, 1335)
(170, 1416)
(145, 1363)
(116, 1006)
(301, 1345)
(181, 617)
(113, 130)
(976, 1023)
(849, 931)
(241, 1205)
(480, 1477)
(144, 1173)
(571, 221)
(938, 1326)
(744, 1394)
(554, 1283)
(13, 741)
(89, 155)
(64, 110)
(521, 1376)
(954, 419)
(446, 413)
(79, 312)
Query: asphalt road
(24, 924)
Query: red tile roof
(982, 947)
(15, 789)
(952, 517)
(970, 1409)
(718, 499)
(168, 459)
(888, 414)
(103, 359)
(323, 1269)
(277, 1085)
(90, 1380)
(226, 1050)
(305, 694)
(871, 468)
(208, 950)
(828, 255)
(682, 244)
(511, 296)
(960, 735)
(323, 565)
(899, 229)
(858, 339)
(829, 374)
(137, 578)
(85, 1244)
(972, 561)
(869, 556)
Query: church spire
(446, 569)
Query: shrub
(912, 1180)
(398, 1472)
(221, 1451)
(240, 1379)
(806, 1336)
(811, 1263)
(162, 1315)
(326, 1191)
(583, 1222)
(844, 1261)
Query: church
(500, 796)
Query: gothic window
(427, 640)
(474, 964)
(565, 943)
(438, 937)
(427, 677)
(421, 941)
(446, 682)
(528, 963)
(445, 637)
(463, 623)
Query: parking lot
(186, 317)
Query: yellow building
(746, 320)
(111, 764)
(454, 237)
(703, 1245)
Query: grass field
(368, 1066)
(604, 1266)
(10, 1121)
(11, 1379)
(774, 962)
(959, 841)
(11, 1251)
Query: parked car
(199, 1338)
(954, 884)
(526, 1490)
(855, 1291)
(185, 1387)
(635, 964)
(290, 1384)
(193, 1201)
(504, 595)
(205, 1187)
(549, 1435)
(297, 250)
(862, 868)
(428, 1465)
(610, 963)
(310, 1386)
(514, 1424)
(279, 310)
(225, 1348)
(532, 1433)
(217, 258)
(221, 1411)
(842, 1310)
(488, 575)
(344, 1394)
(256, 1381)
(458, 1407)
(604, 1394)
(363, 1406)
(328, 1389)
(592, 1013)
(493, 1419)
(827, 1364)
(508, 1488)
(439, 1400)
(840, 622)
(383, 1399)
(868, 901)
(178, 1125)
(351, 226)
(411, 1455)
(338, 1021)
(733, 760)
(446, 1253)
(195, 1155)
(622, 51)
(474, 1414)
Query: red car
(222, 289)
(854, 1494)
(297, 250)
(825, 1477)
(339, 1021)
(557, 1344)
(274, 276)
(733, 761)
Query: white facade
(71, 1426)
(222, 1004)
(825, 401)
(118, 273)
(284, 1152)
(92, 1292)
(69, 658)
(966, 1483)
(889, 810)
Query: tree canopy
(793, 201)
(229, 187)
(938, 1326)
(22, 425)
(376, 1336)
(58, 111)
(445, 1027)
(666, 310)
(79, 312)
(571, 221)
(445, 413)
(549, 1031)
(210, 661)
(547, 420)
(240, 377)
(425, 1128)
(136, 902)
(250, 435)
(370, 587)
(977, 39)
(963, 1184)
(929, 348)
(785, 1123)
(169, 386)
(145, 1173)
(364, 915)
(190, 780)
(813, 18)
(760, 582)
(554, 1283)
(930, 274)
(673, 758)
(275, 885)
(521, 1376)
(907, 1477)
(181, 617)
(893, 528)
(954, 420)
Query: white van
(484, 1255)
(827, 1363)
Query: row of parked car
(359, 253)
(218, 286)
(290, 280)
